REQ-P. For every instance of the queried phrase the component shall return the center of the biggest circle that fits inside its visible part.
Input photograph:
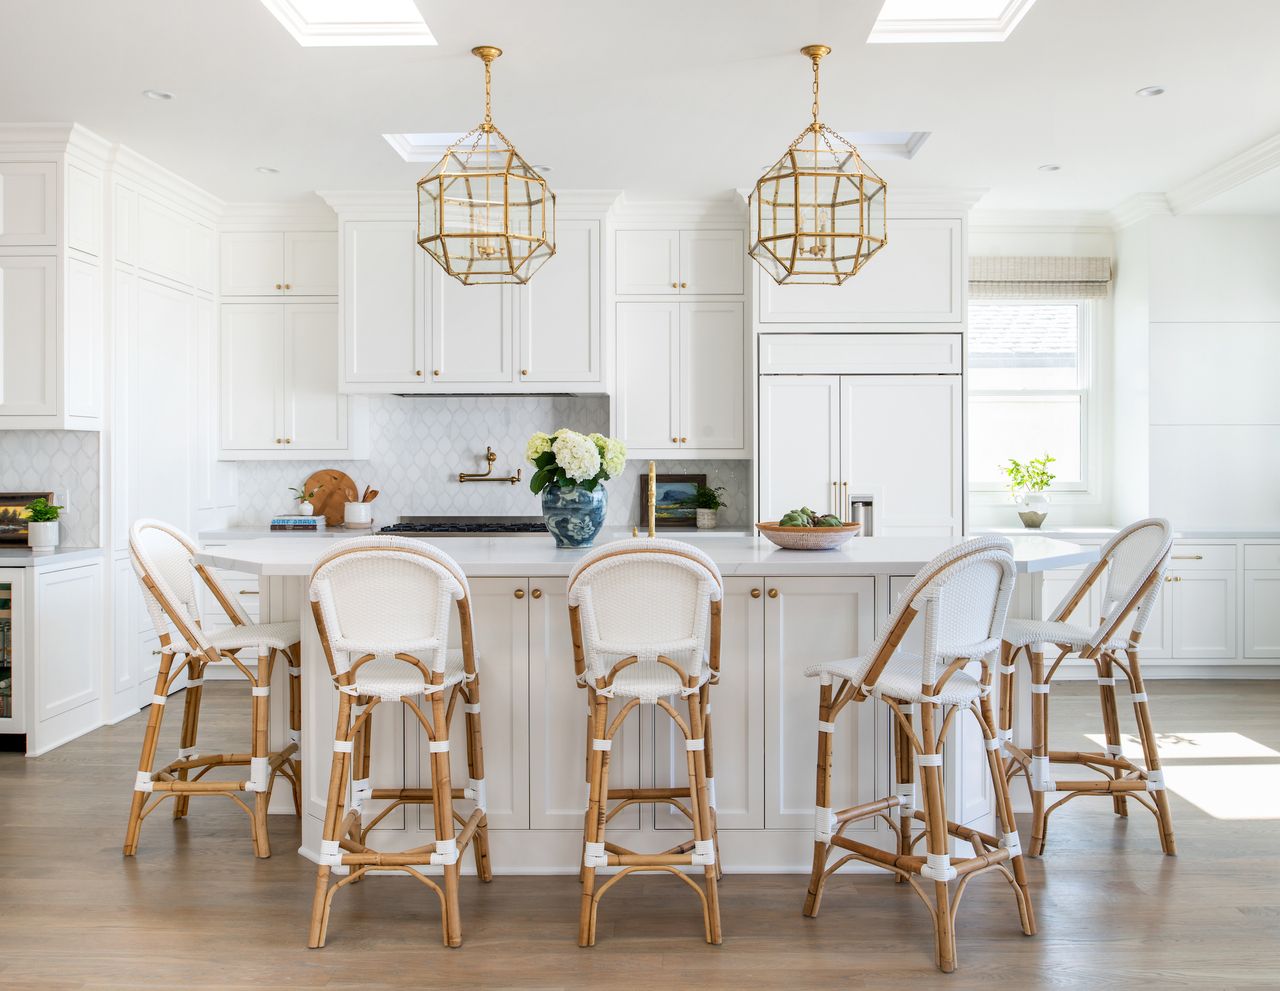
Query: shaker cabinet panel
(472, 331)
(252, 264)
(712, 262)
(799, 443)
(315, 413)
(383, 303)
(1203, 612)
(558, 312)
(712, 383)
(28, 203)
(252, 376)
(310, 263)
(647, 393)
(1262, 614)
(28, 336)
(647, 263)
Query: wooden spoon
(370, 495)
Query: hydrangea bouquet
(567, 458)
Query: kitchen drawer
(1203, 557)
(1262, 557)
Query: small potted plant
(42, 524)
(707, 501)
(305, 508)
(1028, 484)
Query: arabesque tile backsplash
(64, 462)
(418, 446)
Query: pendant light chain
(488, 82)
(815, 93)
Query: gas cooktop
(461, 526)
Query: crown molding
(1139, 207)
(127, 164)
(1089, 221)
(1249, 164)
(402, 203)
(728, 207)
(55, 139)
(927, 199)
(308, 215)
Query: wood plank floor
(196, 910)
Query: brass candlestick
(653, 498)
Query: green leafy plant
(567, 459)
(301, 495)
(42, 511)
(1034, 476)
(707, 497)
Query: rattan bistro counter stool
(162, 559)
(645, 617)
(964, 596)
(1132, 564)
(382, 607)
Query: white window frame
(1090, 445)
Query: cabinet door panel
(559, 311)
(311, 263)
(1262, 614)
(164, 241)
(812, 619)
(253, 356)
(711, 376)
(900, 441)
(383, 309)
(471, 334)
(737, 719)
(648, 263)
(558, 722)
(252, 264)
(82, 318)
(28, 335)
(1204, 615)
(315, 413)
(28, 203)
(68, 603)
(799, 443)
(712, 262)
(648, 358)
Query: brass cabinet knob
(435, 371)
(684, 440)
(536, 593)
(674, 285)
(279, 440)
(675, 440)
(278, 286)
(418, 372)
(287, 286)
(755, 593)
(773, 593)
(288, 440)
(684, 285)
(519, 593)
(524, 371)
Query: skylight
(352, 22)
(913, 21)
(422, 147)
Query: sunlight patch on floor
(1229, 791)
(1193, 746)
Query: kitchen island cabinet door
(737, 719)
(809, 620)
(558, 722)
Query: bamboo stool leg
(822, 800)
(146, 760)
(260, 754)
(190, 728)
(597, 807)
(905, 763)
(1004, 814)
(1111, 723)
(333, 816)
(294, 659)
(588, 769)
(442, 803)
(1039, 748)
(704, 698)
(937, 837)
(475, 770)
(703, 826)
(1150, 754)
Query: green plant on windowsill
(41, 510)
(1027, 485)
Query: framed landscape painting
(13, 515)
(675, 506)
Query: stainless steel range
(466, 526)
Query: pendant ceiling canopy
(818, 214)
(484, 213)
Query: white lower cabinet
(1203, 615)
(1261, 613)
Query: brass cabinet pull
(675, 440)
(524, 371)
(435, 371)
(287, 286)
(1173, 578)
(279, 440)
(675, 285)
(536, 593)
(684, 440)
(278, 286)
(684, 285)
(755, 593)
(519, 593)
(773, 593)
(1188, 557)
(418, 372)
(288, 440)
(844, 506)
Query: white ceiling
(666, 97)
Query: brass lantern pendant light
(818, 215)
(484, 213)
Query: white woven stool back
(1132, 555)
(388, 595)
(162, 559)
(645, 596)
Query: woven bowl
(808, 538)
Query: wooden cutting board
(336, 490)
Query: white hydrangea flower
(614, 457)
(539, 444)
(576, 454)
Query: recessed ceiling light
(1150, 91)
(267, 170)
(157, 94)
(1050, 168)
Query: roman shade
(1043, 277)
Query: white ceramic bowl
(808, 538)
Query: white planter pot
(42, 536)
(707, 519)
(305, 509)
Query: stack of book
(298, 524)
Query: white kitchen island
(783, 611)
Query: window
(1029, 389)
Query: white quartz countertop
(25, 557)
(497, 557)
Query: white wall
(1094, 507)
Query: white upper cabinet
(916, 279)
(28, 203)
(681, 381)
(674, 262)
(384, 305)
(252, 377)
(472, 330)
(28, 336)
(292, 263)
(315, 413)
(558, 312)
